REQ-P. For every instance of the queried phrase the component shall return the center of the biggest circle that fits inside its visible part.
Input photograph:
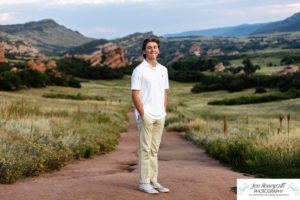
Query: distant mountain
(46, 35)
(290, 24)
(233, 31)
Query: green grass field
(48, 132)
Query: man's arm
(137, 102)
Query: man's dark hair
(146, 41)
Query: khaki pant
(150, 132)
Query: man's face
(151, 50)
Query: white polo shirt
(152, 82)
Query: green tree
(249, 67)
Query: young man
(149, 83)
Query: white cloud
(277, 9)
(101, 30)
(95, 2)
(82, 2)
(15, 2)
(6, 17)
(73, 2)
(207, 2)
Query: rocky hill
(46, 35)
(18, 47)
(290, 24)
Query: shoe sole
(163, 191)
(146, 191)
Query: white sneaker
(159, 187)
(148, 188)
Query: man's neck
(152, 62)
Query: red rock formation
(112, 58)
(242, 72)
(95, 58)
(83, 56)
(115, 58)
(14, 69)
(2, 54)
(195, 49)
(31, 64)
(43, 57)
(67, 56)
(213, 51)
(19, 47)
(219, 67)
(288, 70)
(109, 56)
(38, 65)
(51, 64)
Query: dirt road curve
(185, 169)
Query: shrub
(259, 90)
(257, 99)
(9, 81)
(171, 120)
(78, 96)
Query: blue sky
(117, 18)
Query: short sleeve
(136, 80)
(166, 81)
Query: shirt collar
(150, 66)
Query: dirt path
(184, 168)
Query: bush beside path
(184, 168)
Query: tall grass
(257, 143)
(39, 135)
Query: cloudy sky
(117, 18)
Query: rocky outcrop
(131, 45)
(67, 56)
(115, 58)
(83, 56)
(19, 47)
(195, 49)
(51, 64)
(219, 68)
(2, 54)
(288, 70)
(40, 66)
(14, 69)
(242, 72)
(110, 55)
(213, 51)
